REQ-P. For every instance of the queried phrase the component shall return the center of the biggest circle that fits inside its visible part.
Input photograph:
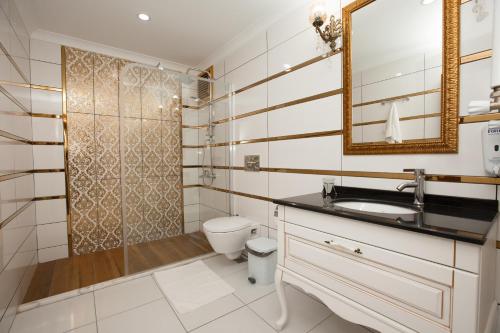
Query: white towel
(479, 107)
(392, 126)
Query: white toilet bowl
(228, 235)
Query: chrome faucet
(418, 184)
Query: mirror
(401, 63)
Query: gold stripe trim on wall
(15, 214)
(14, 100)
(14, 175)
(46, 115)
(13, 62)
(483, 180)
(479, 118)
(277, 75)
(476, 56)
(32, 86)
(290, 70)
(14, 137)
(47, 143)
(430, 115)
(51, 197)
(270, 139)
(388, 99)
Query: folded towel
(479, 107)
(392, 126)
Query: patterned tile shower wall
(100, 89)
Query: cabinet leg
(280, 291)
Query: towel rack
(404, 99)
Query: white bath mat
(191, 286)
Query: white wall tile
(190, 176)
(207, 213)
(49, 184)
(316, 116)
(250, 182)
(313, 153)
(468, 161)
(249, 50)
(475, 36)
(214, 199)
(475, 82)
(254, 127)
(191, 196)
(261, 149)
(190, 156)
(311, 80)
(252, 209)
(251, 100)
(283, 185)
(191, 213)
(45, 51)
(296, 50)
(249, 73)
(45, 74)
(46, 101)
(52, 234)
(53, 253)
(191, 227)
(48, 129)
(50, 211)
(48, 157)
(190, 136)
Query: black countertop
(462, 219)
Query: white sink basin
(373, 207)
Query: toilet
(228, 235)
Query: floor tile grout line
(219, 317)
(95, 312)
(127, 310)
(321, 322)
(170, 305)
(261, 318)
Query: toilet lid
(226, 224)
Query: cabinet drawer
(436, 249)
(384, 288)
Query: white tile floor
(138, 305)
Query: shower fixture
(204, 85)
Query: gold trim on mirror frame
(448, 142)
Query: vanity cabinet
(388, 279)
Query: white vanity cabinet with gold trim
(389, 279)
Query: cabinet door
(403, 297)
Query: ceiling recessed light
(143, 17)
(427, 2)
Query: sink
(374, 207)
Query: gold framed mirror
(401, 76)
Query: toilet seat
(226, 224)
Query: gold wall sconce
(331, 32)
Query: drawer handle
(343, 248)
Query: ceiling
(184, 31)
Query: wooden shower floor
(59, 276)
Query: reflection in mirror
(396, 52)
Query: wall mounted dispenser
(491, 148)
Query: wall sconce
(332, 31)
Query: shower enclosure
(151, 103)
(142, 145)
